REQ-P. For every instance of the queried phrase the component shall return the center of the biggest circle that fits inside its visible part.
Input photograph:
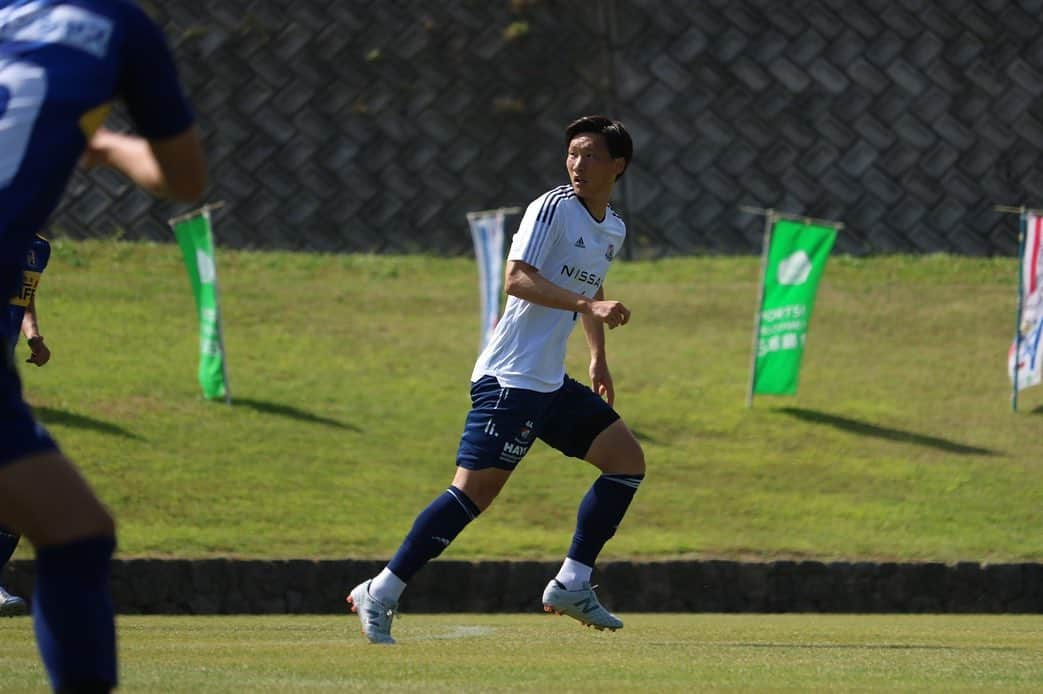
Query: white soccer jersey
(560, 238)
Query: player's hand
(39, 353)
(611, 313)
(601, 381)
(96, 153)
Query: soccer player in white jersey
(520, 392)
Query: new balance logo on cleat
(582, 605)
(580, 244)
(588, 604)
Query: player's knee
(626, 457)
(89, 520)
(483, 496)
(637, 460)
(481, 486)
(95, 520)
(631, 459)
(106, 524)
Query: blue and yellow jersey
(33, 265)
(62, 63)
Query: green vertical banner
(196, 239)
(794, 259)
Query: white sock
(573, 574)
(387, 587)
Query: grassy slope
(350, 375)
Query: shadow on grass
(865, 429)
(291, 412)
(50, 415)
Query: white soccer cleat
(376, 616)
(582, 605)
(11, 605)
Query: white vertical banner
(1024, 357)
(487, 232)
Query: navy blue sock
(433, 530)
(73, 616)
(600, 513)
(8, 542)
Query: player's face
(592, 170)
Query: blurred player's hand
(95, 154)
(39, 353)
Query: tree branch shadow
(53, 415)
(854, 426)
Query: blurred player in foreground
(62, 62)
(22, 318)
(520, 392)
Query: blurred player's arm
(173, 167)
(40, 354)
(525, 282)
(600, 378)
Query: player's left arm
(600, 377)
(40, 354)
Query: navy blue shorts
(20, 434)
(504, 422)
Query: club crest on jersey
(611, 252)
(524, 434)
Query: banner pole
(804, 219)
(220, 328)
(769, 222)
(197, 212)
(1022, 230)
(505, 210)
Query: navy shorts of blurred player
(20, 434)
(504, 422)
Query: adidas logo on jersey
(580, 244)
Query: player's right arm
(524, 281)
(166, 158)
(172, 167)
(539, 230)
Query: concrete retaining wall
(374, 126)
(297, 586)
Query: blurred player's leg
(9, 604)
(45, 498)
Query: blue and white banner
(487, 234)
(1025, 358)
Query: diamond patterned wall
(355, 125)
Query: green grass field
(541, 653)
(350, 376)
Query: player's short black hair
(616, 136)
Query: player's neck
(596, 207)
